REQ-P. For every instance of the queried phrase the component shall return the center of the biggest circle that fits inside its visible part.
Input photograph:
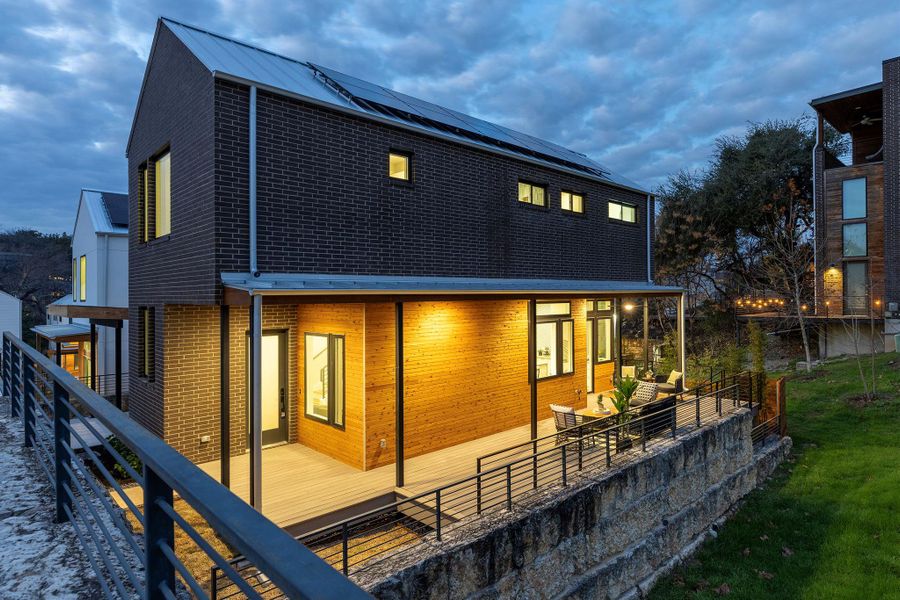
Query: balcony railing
(106, 383)
(135, 551)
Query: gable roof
(237, 61)
(108, 211)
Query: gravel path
(38, 558)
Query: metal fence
(133, 550)
(106, 383)
(358, 543)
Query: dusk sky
(645, 88)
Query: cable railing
(358, 543)
(178, 519)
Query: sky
(644, 87)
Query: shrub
(757, 346)
(130, 457)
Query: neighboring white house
(10, 314)
(99, 291)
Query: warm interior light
(828, 303)
(628, 306)
(803, 307)
(877, 302)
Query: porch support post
(58, 346)
(93, 355)
(647, 333)
(224, 397)
(256, 402)
(532, 364)
(617, 316)
(118, 350)
(398, 393)
(680, 350)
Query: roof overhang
(79, 311)
(70, 332)
(317, 284)
(844, 109)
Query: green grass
(827, 524)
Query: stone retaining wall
(609, 534)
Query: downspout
(815, 219)
(649, 245)
(255, 331)
(253, 262)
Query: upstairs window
(620, 211)
(572, 202)
(398, 166)
(144, 203)
(855, 243)
(163, 195)
(82, 278)
(554, 340)
(854, 198)
(74, 279)
(531, 193)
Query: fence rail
(134, 551)
(106, 383)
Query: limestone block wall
(607, 535)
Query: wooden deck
(300, 484)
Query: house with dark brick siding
(857, 219)
(341, 295)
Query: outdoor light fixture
(803, 307)
(628, 306)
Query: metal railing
(133, 550)
(355, 544)
(106, 383)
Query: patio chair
(565, 419)
(673, 384)
(630, 371)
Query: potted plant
(624, 390)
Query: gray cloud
(643, 87)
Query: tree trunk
(802, 325)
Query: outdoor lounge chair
(565, 418)
(673, 384)
(657, 414)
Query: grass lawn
(827, 525)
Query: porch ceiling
(73, 332)
(315, 284)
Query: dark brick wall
(327, 205)
(820, 224)
(176, 110)
(891, 123)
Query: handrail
(297, 571)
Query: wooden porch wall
(349, 320)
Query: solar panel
(377, 94)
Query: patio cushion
(562, 409)
(644, 394)
(674, 376)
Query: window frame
(621, 204)
(594, 317)
(156, 189)
(409, 166)
(530, 202)
(332, 401)
(865, 198)
(865, 248)
(865, 302)
(147, 342)
(571, 208)
(82, 278)
(557, 320)
(74, 279)
(144, 203)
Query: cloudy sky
(644, 87)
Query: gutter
(649, 249)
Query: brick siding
(891, 123)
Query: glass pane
(629, 213)
(577, 203)
(855, 239)
(615, 210)
(604, 339)
(566, 200)
(74, 279)
(338, 362)
(524, 192)
(855, 300)
(855, 198)
(545, 346)
(163, 195)
(537, 195)
(145, 205)
(398, 166)
(589, 345)
(544, 309)
(82, 279)
(568, 347)
(317, 376)
(270, 381)
(603, 305)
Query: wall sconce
(628, 306)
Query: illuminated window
(622, 212)
(162, 207)
(147, 342)
(82, 278)
(600, 321)
(144, 202)
(74, 279)
(855, 239)
(554, 340)
(854, 198)
(325, 379)
(856, 294)
(572, 202)
(530, 193)
(398, 166)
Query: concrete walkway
(38, 558)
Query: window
(855, 239)
(162, 207)
(74, 279)
(144, 201)
(622, 212)
(600, 322)
(572, 202)
(554, 340)
(398, 166)
(147, 342)
(82, 278)
(855, 288)
(854, 194)
(325, 380)
(532, 194)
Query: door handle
(281, 403)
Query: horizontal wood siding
(348, 320)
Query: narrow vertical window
(325, 379)
(854, 198)
(147, 342)
(82, 278)
(74, 279)
(398, 166)
(554, 340)
(162, 184)
(144, 203)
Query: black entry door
(274, 388)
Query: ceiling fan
(867, 120)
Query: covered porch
(393, 386)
